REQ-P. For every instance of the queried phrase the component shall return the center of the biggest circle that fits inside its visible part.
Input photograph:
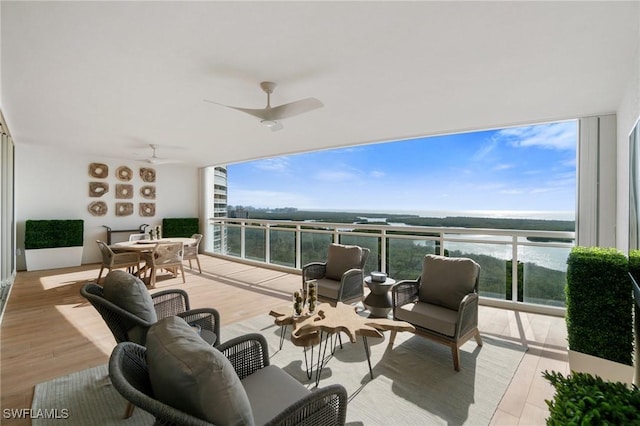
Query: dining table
(146, 246)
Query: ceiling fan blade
(294, 108)
(155, 160)
(260, 113)
(160, 161)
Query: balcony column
(597, 174)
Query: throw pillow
(340, 259)
(192, 376)
(130, 293)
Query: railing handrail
(407, 229)
(443, 237)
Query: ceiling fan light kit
(270, 116)
(269, 123)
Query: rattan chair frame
(166, 303)
(112, 260)
(351, 285)
(406, 291)
(248, 353)
(167, 256)
(191, 251)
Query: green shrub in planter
(40, 234)
(582, 399)
(599, 304)
(180, 227)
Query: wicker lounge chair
(341, 277)
(249, 356)
(442, 303)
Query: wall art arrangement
(123, 191)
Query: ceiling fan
(154, 159)
(270, 116)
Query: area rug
(86, 397)
(413, 384)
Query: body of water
(504, 214)
(548, 257)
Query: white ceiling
(109, 78)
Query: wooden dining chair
(167, 256)
(111, 260)
(191, 251)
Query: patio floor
(49, 330)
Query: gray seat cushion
(432, 317)
(446, 280)
(190, 375)
(270, 390)
(328, 288)
(340, 259)
(129, 293)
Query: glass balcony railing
(518, 266)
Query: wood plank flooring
(49, 330)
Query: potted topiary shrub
(582, 399)
(51, 244)
(599, 313)
(180, 227)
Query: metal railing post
(383, 252)
(514, 269)
(298, 249)
(267, 243)
(242, 240)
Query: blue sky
(519, 169)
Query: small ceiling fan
(271, 116)
(154, 159)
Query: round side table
(379, 300)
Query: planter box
(606, 369)
(52, 258)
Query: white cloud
(377, 174)
(485, 150)
(511, 191)
(277, 165)
(533, 172)
(503, 167)
(539, 190)
(266, 199)
(561, 136)
(336, 176)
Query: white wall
(55, 185)
(627, 114)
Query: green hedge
(180, 227)
(599, 303)
(40, 234)
(582, 399)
